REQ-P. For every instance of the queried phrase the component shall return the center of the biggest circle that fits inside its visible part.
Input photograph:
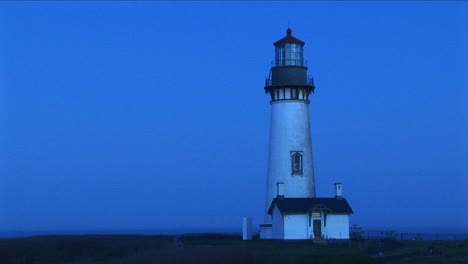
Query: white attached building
(308, 218)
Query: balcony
(309, 81)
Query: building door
(317, 228)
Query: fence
(387, 234)
(414, 236)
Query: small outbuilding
(309, 218)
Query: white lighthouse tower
(290, 160)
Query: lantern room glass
(289, 54)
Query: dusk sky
(152, 115)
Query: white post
(247, 228)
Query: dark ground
(212, 248)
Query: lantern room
(289, 51)
(288, 78)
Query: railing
(309, 81)
(291, 62)
(378, 234)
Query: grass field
(212, 248)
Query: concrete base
(266, 231)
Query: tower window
(296, 163)
(295, 94)
(293, 55)
(279, 56)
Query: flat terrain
(211, 248)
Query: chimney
(338, 190)
(280, 190)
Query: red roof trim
(289, 39)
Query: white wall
(265, 232)
(278, 224)
(289, 131)
(337, 227)
(295, 227)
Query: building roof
(289, 39)
(306, 205)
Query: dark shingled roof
(305, 205)
(289, 39)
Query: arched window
(296, 159)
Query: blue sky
(152, 115)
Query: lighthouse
(292, 210)
(290, 160)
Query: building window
(316, 214)
(296, 163)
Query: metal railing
(291, 62)
(309, 81)
(385, 234)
